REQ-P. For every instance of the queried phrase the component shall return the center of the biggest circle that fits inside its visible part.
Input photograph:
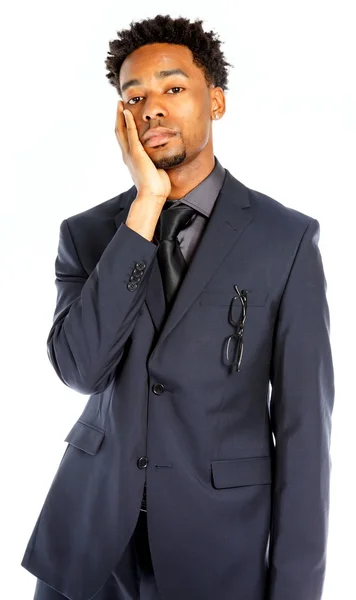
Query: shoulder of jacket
(104, 210)
(275, 213)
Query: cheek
(195, 123)
(201, 129)
(197, 135)
(200, 119)
(194, 109)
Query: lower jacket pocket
(85, 437)
(255, 470)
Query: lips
(157, 131)
(159, 139)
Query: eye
(176, 88)
(129, 101)
(135, 97)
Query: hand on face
(149, 180)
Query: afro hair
(164, 29)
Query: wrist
(151, 200)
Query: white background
(289, 132)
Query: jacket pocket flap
(241, 471)
(85, 437)
(254, 298)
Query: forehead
(147, 60)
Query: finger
(132, 133)
(120, 128)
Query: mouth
(158, 140)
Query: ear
(218, 103)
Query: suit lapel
(230, 217)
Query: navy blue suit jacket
(238, 463)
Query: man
(181, 302)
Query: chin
(169, 162)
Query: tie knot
(173, 220)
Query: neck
(187, 176)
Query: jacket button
(132, 285)
(158, 388)
(140, 265)
(142, 462)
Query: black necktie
(170, 258)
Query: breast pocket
(219, 298)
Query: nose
(153, 109)
(152, 114)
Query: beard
(168, 162)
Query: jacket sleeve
(301, 407)
(95, 314)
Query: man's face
(176, 102)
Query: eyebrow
(159, 74)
